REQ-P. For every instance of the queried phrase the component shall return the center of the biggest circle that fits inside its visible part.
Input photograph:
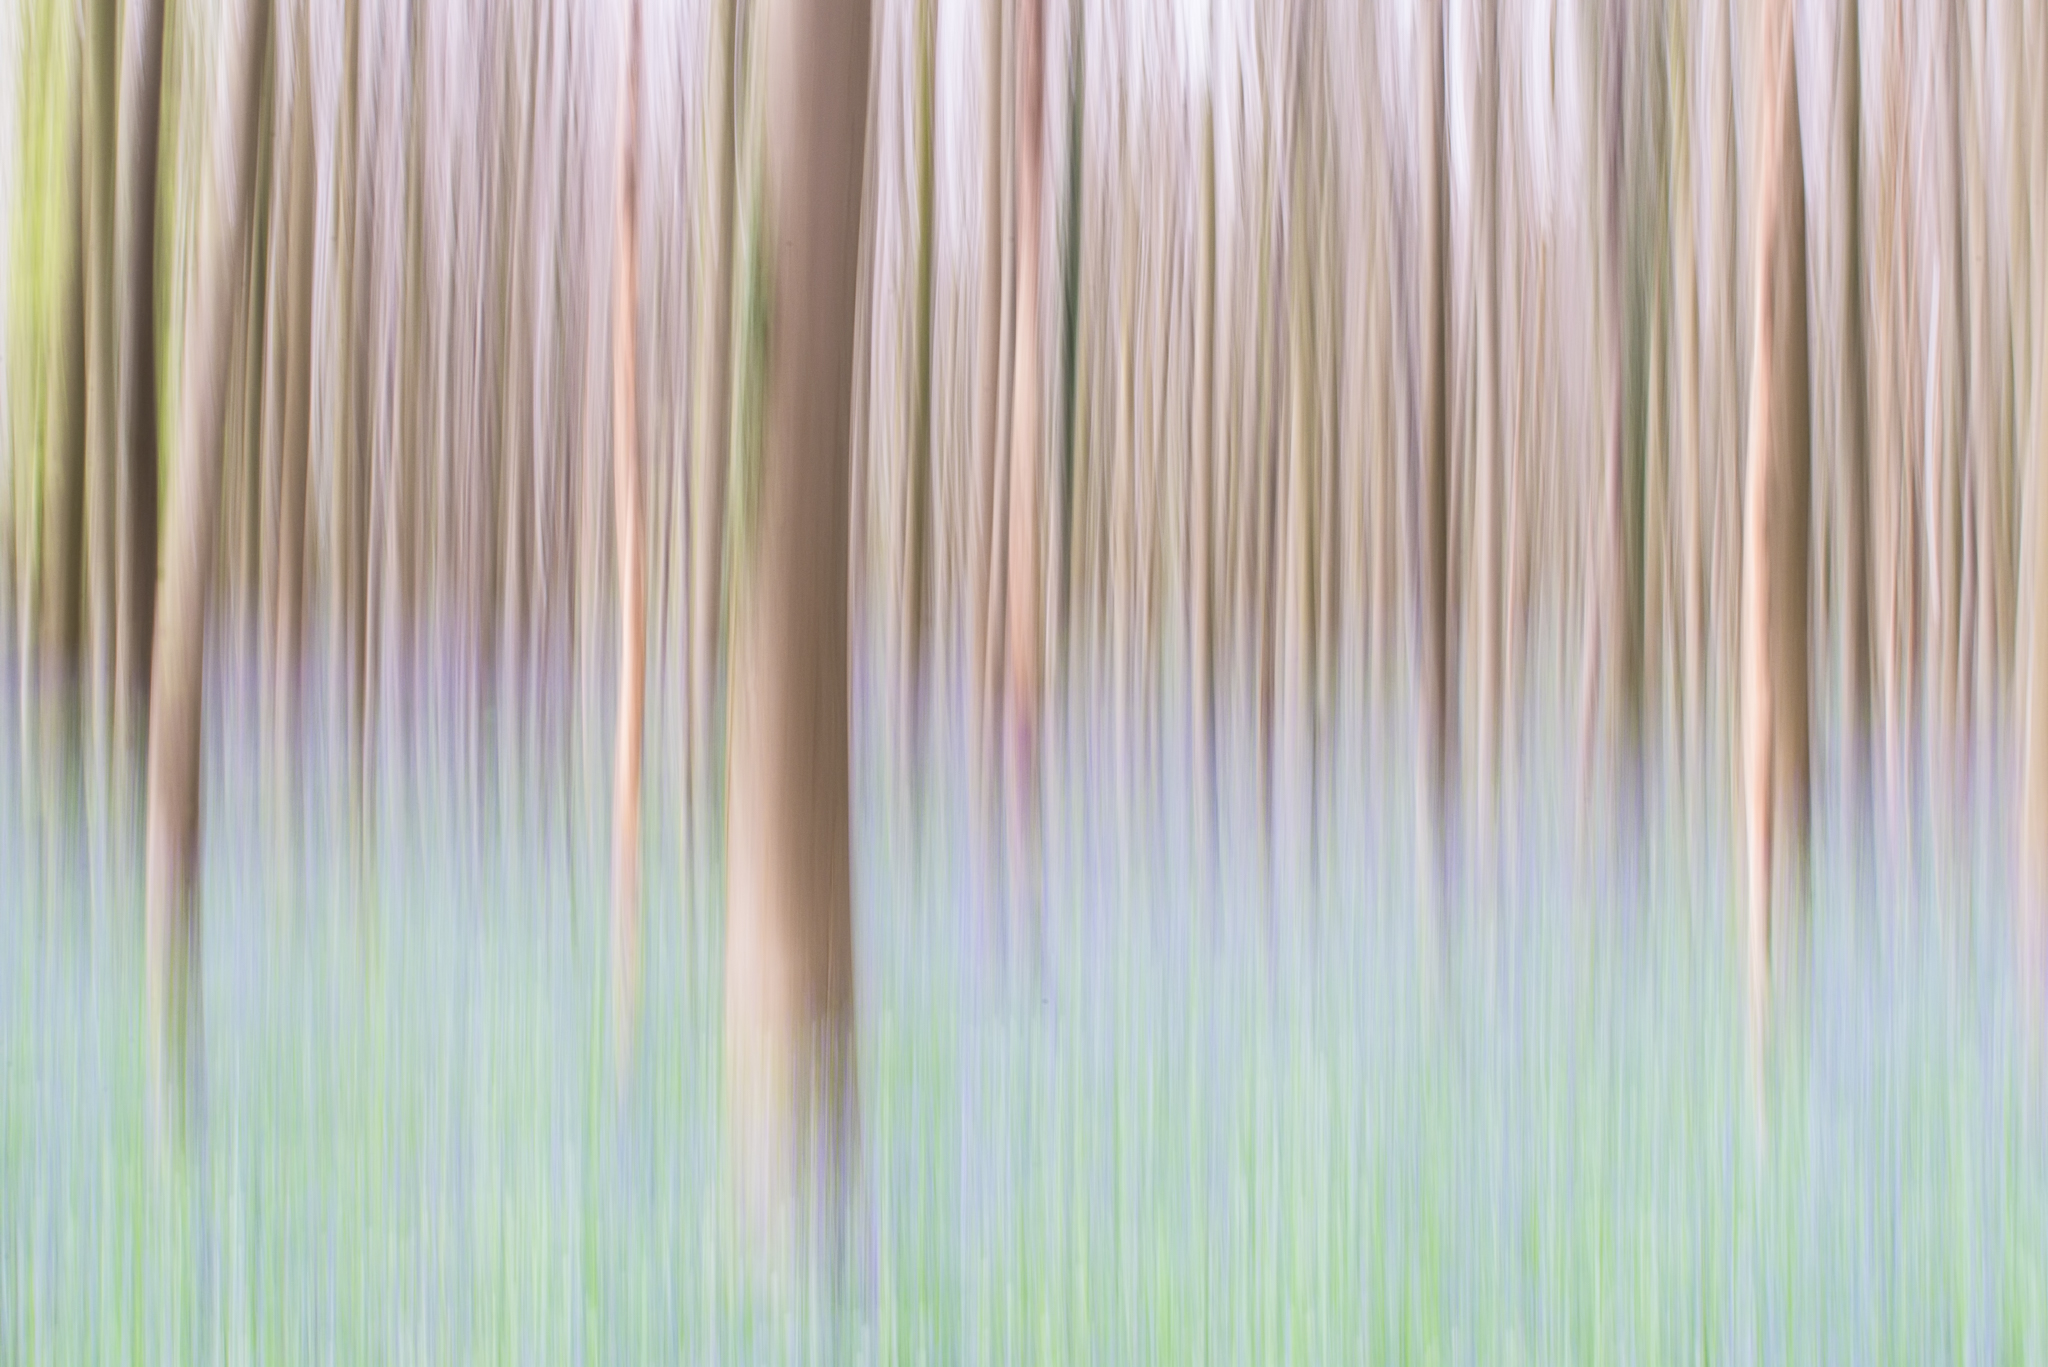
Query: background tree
(1021, 678)
(632, 591)
(1775, 684)
(171, 920)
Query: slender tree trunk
(99, 99)
(135, 495)
(59, 564)
(985, 455)
(1492, 449)
(1435, 460)
(279, 457)
(228, 109)
(790, 1064)
(1775, 676)
(710, 435)
(1897, 412)
(2033, 618)
(1989, 452)
(1021, 681)
(917, 523)
(1686, 449)
(1852, 517)
(632, 589)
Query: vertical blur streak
(171, 916)
(789, 1009)
(632, 592)
(1253, 397)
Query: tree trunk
(710, 434)
(1774, 681)
(171, 917)
(279, 457)
(1896, 607)
(59, 557)
(91, 692)
(2033, 155)
(1435, 460)
(135, 493)
(918, 550)
(1021, 680)
(1852, 517)
(632, 589)
(789, 942)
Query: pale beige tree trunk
(1775, 676)
(1491, 454)
(1939, 184)
(1989, 399)
(984, 614)
(227, 107)
(917, 522)
(1852, 517)
(1021, 677)
(1895, 520)
(1610, 703)
(1435, 460)
(279, 458)
(1690, 516)
(2032, 156)
(790, 1066)
(632, 588)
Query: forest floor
(1205, 1113)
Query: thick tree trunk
(1775, 675)
(171, 916)
(789, 942)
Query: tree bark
(790, 1065)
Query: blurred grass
(1210, 1125)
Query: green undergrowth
(1196, 1127)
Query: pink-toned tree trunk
(1774, 646)
(632, 587)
